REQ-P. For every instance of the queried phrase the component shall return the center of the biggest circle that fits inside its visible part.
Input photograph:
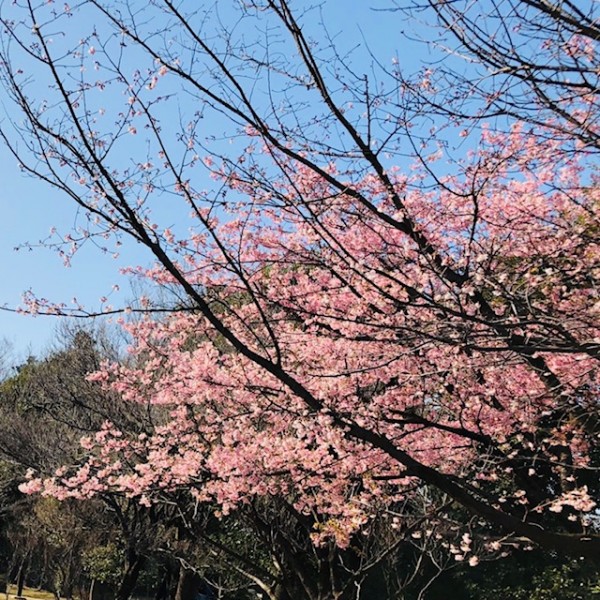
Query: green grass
(29, 593)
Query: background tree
(45, 408)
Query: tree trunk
(186, 585)
(21, 576)
(163, 592)
(135, 564)
(280, 593)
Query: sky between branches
(30, 209)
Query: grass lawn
(29, 593)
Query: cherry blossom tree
(361, 313)
(536, 62)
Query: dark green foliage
(522, 576)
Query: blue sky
(30, 208)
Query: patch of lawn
(29, 593)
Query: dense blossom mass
(467, 340)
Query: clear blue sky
(30, 208)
